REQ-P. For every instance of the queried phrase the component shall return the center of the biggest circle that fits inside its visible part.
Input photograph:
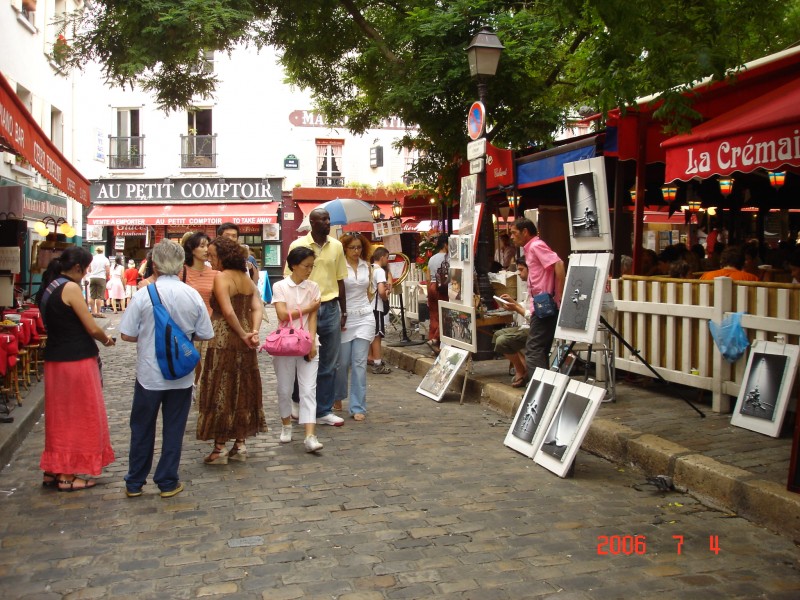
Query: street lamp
(397, 209)
(483, 53)
(376, 212)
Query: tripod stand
(404, 340)
(636, 353)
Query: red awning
(760, 134)
(184, 214)
(20, 133)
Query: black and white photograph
(568, 427)
(466, 211)
(766, 385)
(587, 205)
(465, 248)
(438, 378)
(457, 325)
(529, 424)
(579, 314)
(454, 248)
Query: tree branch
(369, 30)
(551, 79)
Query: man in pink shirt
(546, 273)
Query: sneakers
(133, 493)
(381, 369)
(295, 411)
(286, 433)
(312, 444)
(173, 492)
(330, 419)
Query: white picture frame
(457, 325)
(587, 205)
(441, 374)
(766, 386)
(568, 426)
(453, 249)
(579, 314)
(533, 415)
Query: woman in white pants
(292, 295)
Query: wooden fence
(666, 320)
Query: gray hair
(168, 257)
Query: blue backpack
(176, 354)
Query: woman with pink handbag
(297, 299)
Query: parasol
(342, 212)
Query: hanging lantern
(725, 185)
(513, 200)
(669, 192)
(397, 209)
(376, 212)
(633, 194)
(777, 178)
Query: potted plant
(60, 50)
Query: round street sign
(476, 120)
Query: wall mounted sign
(291, 162)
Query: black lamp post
(483, 53)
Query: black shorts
(380, 325)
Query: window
(206, 63)
(199, 146)
(329, 163)
(127, 146)
(27, 14)
(57, 128)
(411, 158)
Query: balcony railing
(126, 152)
(324, 181)
(199, 151)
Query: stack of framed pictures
(552, 419)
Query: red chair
(9, 359)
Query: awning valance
(20, 132)
(548, 166)
(763, 133)
(184, 214)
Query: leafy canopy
(365, 60)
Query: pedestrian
(199, 276)
(152, 392)
(546, 274)
(505, 251)
(230, 402)
(76, 437)
(98, 274)
(511, 341)
(329, 273)
(437, 289)
(116, 286)
(231, 231)
(146, 271)
(130, 277)
(360, 330)
(297, 297)
(380, 307)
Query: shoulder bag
(288, 340)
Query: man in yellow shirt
(329, 273)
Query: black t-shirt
(67, 339)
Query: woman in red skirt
(76, 438)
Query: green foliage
(365, 60)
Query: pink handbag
(288, 340)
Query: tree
(365, 60)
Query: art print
(579, 314)
(766, 385)
(457, 325)
(568, 427)
(534, 412)
(466, 211)
(587, 205)
(465, 248)
(454, 287)
(454, 248)
(438, 378)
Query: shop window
(126, 150)
(199, 145)
(329, 163)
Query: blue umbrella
(344, 211)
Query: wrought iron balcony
(199, 151)
(126, 152)
(337, 181)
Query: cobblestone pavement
(421, 500)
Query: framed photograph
(272, 255)
(454, 248)
(579, 314)
(271, 232)
(566, 430)
(767, 383)
(587, 205)
(536, 409)
(455, 290)
(438, 379)
(457, 325)
(95, 233)
(465, 248)
(466, 211)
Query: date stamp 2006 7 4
(626, 545)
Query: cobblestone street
(422, 500)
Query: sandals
(359, 416)
(518, 382)
(238, 452)
(49, 480)
(68, 485)
(218, 456)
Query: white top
(186, 308)
(378, 276)
(360, 320)
(117, 271)
(295, 295)
(97, 269)
(434, 263)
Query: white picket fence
(666, 320)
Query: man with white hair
(152, 391)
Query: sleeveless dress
(230, 404)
